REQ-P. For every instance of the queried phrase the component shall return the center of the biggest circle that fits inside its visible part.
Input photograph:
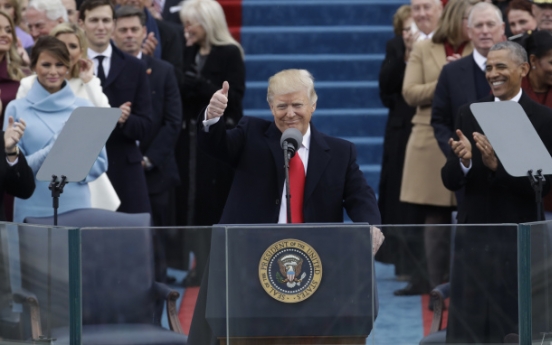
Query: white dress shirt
(480, 60)
(514, 99)
(106, 63)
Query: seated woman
(46, 108)
(81, 76)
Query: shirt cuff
(464, 169)
(210, 122)
(12, 163)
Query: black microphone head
(293, 137)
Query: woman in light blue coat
(46, 108)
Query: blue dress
(45, 115)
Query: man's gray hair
(54, 9)
(517, 53)
(483, 6)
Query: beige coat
(421, 181)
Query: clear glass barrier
(536, 282)
(140, 285)
(440, 284)
(36, 264)
(292, 284)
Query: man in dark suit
(158, 150)
(164, 40)
(484, 306)
(333, 179)
(463, 81)
(125, 83)
(159, 162)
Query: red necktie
(296, 187)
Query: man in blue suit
(463, 81)
(125, 83)
(333, 179)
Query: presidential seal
(290, 271)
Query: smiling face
(521, 21)
(486, 30)
(6, 36)
(50, 72)
(73, 45)
(543, 67)
(39, 24)
(194, 32)
(292, 110)
(426, 14)
(504, 74)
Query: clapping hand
(461, 148)
(149, 45)
(125, 107)
(13, 134)
(487, 152)
(218, 102)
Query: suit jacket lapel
(117, 63)
(319, 157)
(272, 138)
(467, 80)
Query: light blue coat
(45, 115)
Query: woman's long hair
(69, 28)
(14, 60)
(210, 16)
(451, 26)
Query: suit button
(277, 201)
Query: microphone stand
(287, 157)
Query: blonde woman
(211, 57)
(421, 181)
(81, 77)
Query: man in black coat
(463, 81)
(484, 305)
(333, 179)
(158, 162)
(125, 83)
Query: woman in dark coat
(397, 131)
(211, 57)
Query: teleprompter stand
(57, 188)
(76, 149)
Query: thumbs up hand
(218, 102)
(462, 148)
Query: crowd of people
(440, 168)
(174, 70)
(159, 62)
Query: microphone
(291, 140)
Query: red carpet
(233, 12)
(428, 315)
(187, 306)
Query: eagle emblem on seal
(290, 269)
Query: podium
(291, 284)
